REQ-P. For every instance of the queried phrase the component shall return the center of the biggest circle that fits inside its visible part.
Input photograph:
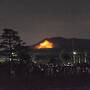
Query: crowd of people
(54, 69)
(45, 75)
(31, 69)
(48, 70)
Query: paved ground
(39, 83)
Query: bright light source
(12, 53)
(74, 52)
(45, 44)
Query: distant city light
(12, 53)
(74, 52)
(10, 59)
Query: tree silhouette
(9, 41)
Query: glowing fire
(45, 44)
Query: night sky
(39, 19)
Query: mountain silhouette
(70, 43)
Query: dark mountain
(71, 43)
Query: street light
(74, 55)
(74, 52)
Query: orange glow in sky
(45, 44)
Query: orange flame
(45, 44)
